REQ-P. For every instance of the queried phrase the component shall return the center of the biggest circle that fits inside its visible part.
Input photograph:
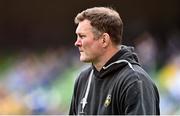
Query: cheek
(96, 49)
(87, 44)
(92, 47)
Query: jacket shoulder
(129, 76)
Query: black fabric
(118, 90)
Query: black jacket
(121, 87)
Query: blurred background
(39, 63)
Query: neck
(105, 57)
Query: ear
(105, 40)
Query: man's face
(90, 48)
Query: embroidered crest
(107, 101)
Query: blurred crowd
(37, 82)
(165, 74)
(41, 82)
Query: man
(115, 84)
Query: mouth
(80, 50)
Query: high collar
(125, 53)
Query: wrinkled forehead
(83, 26)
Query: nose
(78, 43)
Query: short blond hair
(103, 20)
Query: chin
(84, 60)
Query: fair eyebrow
(80, 33)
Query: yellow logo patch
(107, 101)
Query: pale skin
(95, 50)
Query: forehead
(83, 27)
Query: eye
(81, 36)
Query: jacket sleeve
(141, 98)
(73, 110)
